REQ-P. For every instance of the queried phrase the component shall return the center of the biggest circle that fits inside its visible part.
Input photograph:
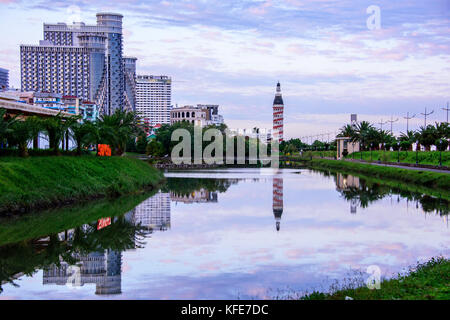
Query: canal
(223, 234)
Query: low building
(194, 115)
(345, 145)
(200, 115)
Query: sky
(332, 58)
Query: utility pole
(381, 124)
(407, 121)
(446, 109)
(392, 121)
(426, 114)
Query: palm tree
(55, 129)
(80, 134)
(347, 131)
(21, 133)
(118, 128)
(5, 124)
(409, 137)
(427, 136)
(361, 133)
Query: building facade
(130, 82)
(4, 79)
(154, 213)
(200, 115)
(278, 110)
(154, 98)
(79, 60)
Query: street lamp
(440, 152)
(398, 151)
(417, 152)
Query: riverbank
(44, 182)
(435, 183)
(430, 280)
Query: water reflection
(135, 239)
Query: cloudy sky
(330, 61)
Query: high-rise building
(79, 60)
(154, 98)
(130, 82)
(278, 109)
(4, 79)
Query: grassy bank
(426, 281)
(42, 182)
(438, 184)
(423, 157)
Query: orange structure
(104, 150)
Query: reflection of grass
(433, 183)
(430, 280)
(40, 182)
(40, 224)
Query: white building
(154, 98)
(201, 115)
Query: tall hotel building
(154, 98)
(278, 110)
(80, 60)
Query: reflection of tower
(277, 201)
(278, 108)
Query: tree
(80, 134)
(427, 136)
(409, 137)
(117, 129)
(55, 128)
(5, 125)
(347, 131)
(155, 148)
(441, 144)
(361, 133)
(142, 142)
(20, 135)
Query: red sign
(103, 223)
(104, 150)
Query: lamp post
(440, 152)
(417, 152)
(398, 151)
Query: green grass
(430, 280)
(42, 182)
(424, 157)
(436, 183)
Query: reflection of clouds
(230, 249)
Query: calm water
(222, 234)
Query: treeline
(371, 138)
(17, 133)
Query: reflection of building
(345, 183)
(102, 268)
(277, 200)
(154, 213)
(198, 196)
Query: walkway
(400, 166)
